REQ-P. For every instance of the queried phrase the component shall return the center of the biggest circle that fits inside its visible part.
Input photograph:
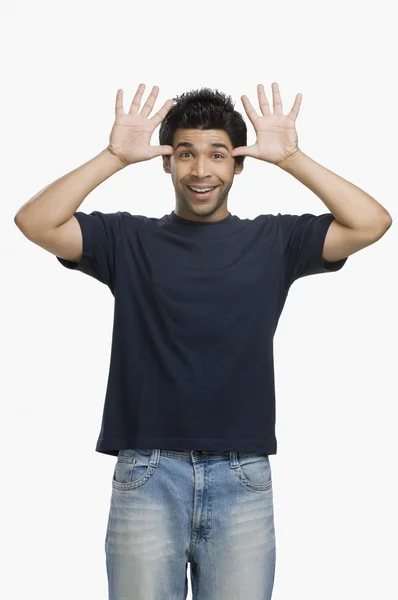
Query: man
(190, 404)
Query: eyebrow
(190, 145)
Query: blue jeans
(211, 509)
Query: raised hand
(132, 131)
(277, 137)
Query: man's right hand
(132, 131)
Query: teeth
(204, 190)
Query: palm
(276, 137)
(132, 130)
(276, 133)
(131, 133)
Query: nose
(200, 168)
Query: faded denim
(213, 510)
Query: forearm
(350, 205)
(56, 203)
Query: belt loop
(233, 459)
(155, 456)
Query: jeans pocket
(123, 469)
(132, 469)
(254, 470)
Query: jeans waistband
(196, 453)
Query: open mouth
(202, 194)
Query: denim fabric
(211, 509)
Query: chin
(202, 210)
(202, 206)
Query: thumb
(245, 151)
(160, 150)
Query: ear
(166, 163)
(238, 168)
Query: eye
(215, 153)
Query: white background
(335, 474)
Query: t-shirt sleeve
(303, 241)
(101, 232)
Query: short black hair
(204, 109)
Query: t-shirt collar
(176, 219)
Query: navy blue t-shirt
(195, 313)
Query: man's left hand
(277, 138)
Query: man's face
(196, 163)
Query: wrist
(290, 160)
(114, 159)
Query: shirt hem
(111, 446)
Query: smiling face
(201, 159)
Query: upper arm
(303, 242)
(341, 241)
(65, 241)
(86, 243)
